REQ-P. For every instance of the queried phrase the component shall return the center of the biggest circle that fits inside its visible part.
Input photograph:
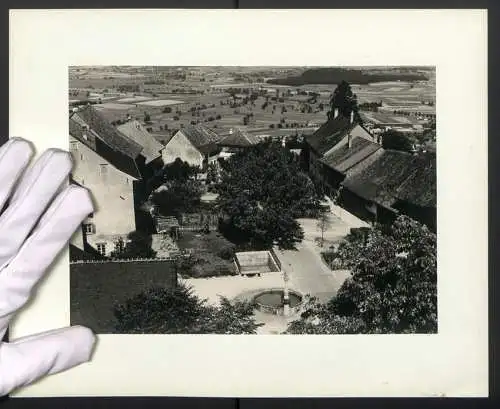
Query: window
(89, 228)
(73, 146)
(101, 248)
(91, 216)
(103, 170)
(119, 246)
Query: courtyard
(306, 272)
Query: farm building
(335, 147)
(393, 183)
(373, 183)
(347, 156)
(105, 161)
(237, 140)
(193, 144)
(152, 149)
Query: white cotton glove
(41, 216)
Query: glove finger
(28, 359)
(30, 199)
(15, 156)
(51, 234)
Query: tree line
(337, 75)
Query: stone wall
(96, 286)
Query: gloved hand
(41, 215)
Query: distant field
(103, 74)
(380, 117)
(103, 83)
(218, 114)
(161, 102)
(133, 99)
(111, 105)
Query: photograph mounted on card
(263, 211)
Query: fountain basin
(272, 301)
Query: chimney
(335, 113)
(352, 117)
(349, 141)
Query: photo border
(359, 402)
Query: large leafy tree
(261, 193)
(179, 311)
(392, 139)
(393, 287)
(178, 196)
(178, 170)
(344, 100)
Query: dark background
(340, 403)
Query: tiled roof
(202, 138)
(397, 176)
(106, 141)
(108, 133)
(200, 135)
(137, 133)
(239, 138)
(344, 158)
(329, 134)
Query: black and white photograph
(286, 203)
(255, 199)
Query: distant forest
(352, 76)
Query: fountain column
(286, 296)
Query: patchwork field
(112, 105)
(161, 102)
(133, 99)
(206, 100)
(380, 117)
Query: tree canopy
(344, 100)
(261, 192)
(392, 139)
(332, 75)
(180, 192)
(178, 196)
(178, 170)
(393, 287)
(178, 310)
